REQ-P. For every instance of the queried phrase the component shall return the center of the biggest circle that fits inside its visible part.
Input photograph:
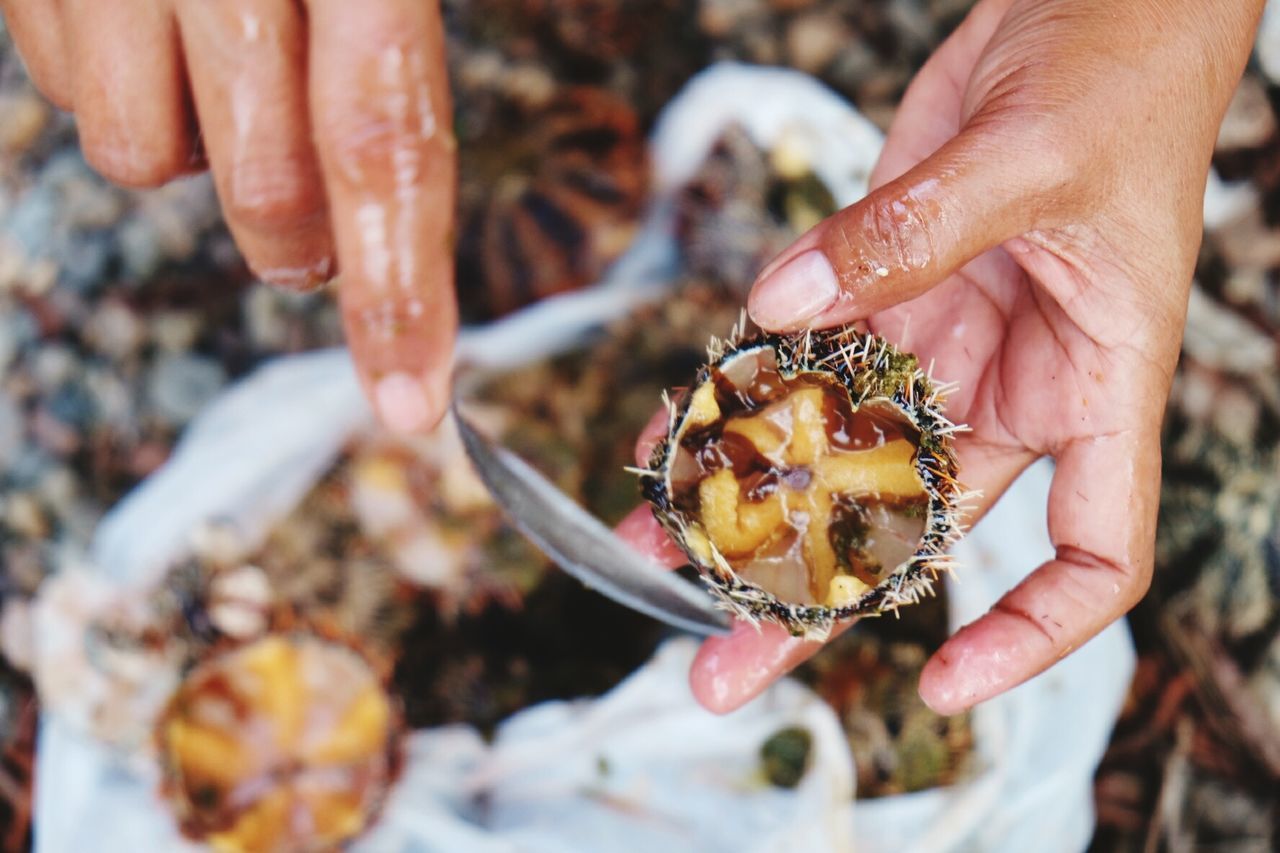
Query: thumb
(908, 235)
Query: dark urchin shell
(871, 370)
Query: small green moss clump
(785, 756)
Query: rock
(89, 202)
(23, 515)
(58, 488)
(1266, 683)
(32, 222)
(1247, 241)
(12, 429)
(17, 330)
(113, 400)
(72, 404)
(178, 386)
(912, 23)
(854, 63)
(23, 115)
(178, 214)
(174, 331)
(59, 438)
(265, 318)
(140, 250)
(1249, 121)
(16, 632)
(1218, 338)
(13, 260)
(240, 602)
(114, 330)
(1267, 47)
(719, 18)
(52, 366)
(1224, 202)
(84, 262)
(815, 39)
(529, 84)
(219, 544)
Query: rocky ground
(122, 313)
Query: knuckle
(1051, 155)
(270, 195)
(386, 133)
(1128, 578)
(898, 231)
(131, 168)
(366, 144)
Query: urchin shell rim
(845, 353)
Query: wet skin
(1033, 232)
(327, 127)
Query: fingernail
(299, 278)
(402, 403)
(795, 293)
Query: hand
(328, 128)
(1032, 232)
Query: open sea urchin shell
(810, 477)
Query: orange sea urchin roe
(283, 745)
(804, 496)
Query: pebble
(59, 438)
(52, 366)
(1249, 121)
(718, 18)
(23, 115)
(1267, 47)
(72, 404)
(219, 543)
(912, 23)
(815, 39)
(530, 85)
(89, 202)
(240, 601)
(12, 430)
(174, 331)
(1217, 337)
(16, 637)
(265, 318)
(1248, 242)
(28, 466)
(114, 330)
(33, 221)
(17, 330)
(178, 386)
(1266, 682)
(23, 515)
(140, 251)
(83, 263)
(113, 400)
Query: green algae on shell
(810, 477)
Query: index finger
(380, 105)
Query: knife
(582, 545)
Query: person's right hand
(1032, 232)
(328, 127)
